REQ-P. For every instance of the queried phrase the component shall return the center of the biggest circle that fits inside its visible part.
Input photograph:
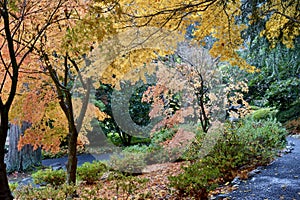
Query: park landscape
(171, 99)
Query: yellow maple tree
(283, 24)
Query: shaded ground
(279, 180)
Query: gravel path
(278, 181)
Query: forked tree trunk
(20, 160)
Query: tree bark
(72, 157)
(26, 158)
(5, 193)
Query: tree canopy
(47, 46)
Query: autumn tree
(65, 65)
(220, 25)
(23, 23)
(65, 62)
(187, 89)
(220, 20)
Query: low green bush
(163, 135)
(197, 180)
(137, 149)
(13, 186)
(266, 134)
(154, 152)
(264, 113)
(49, 176)
(128, 162)
(91, 172)
(61, 192)
(292, 112)
(125, 186)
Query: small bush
(163, 135)
(264, 113)
(91, 172)
(137, 149)
(13, 186)
(267, 134)
(294, 126)
(49, 176)
(290, 113)
(125, 186)
(61, 192)
(131, 163)
(197, 180)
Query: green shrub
(192, 151)
(264, 134)
(264, 113)
(13, 186)
(125, 186)
(137, 149)
(131, 163)
(163, 135)
(197, 180)
(248, 142)
(49, 176)
(61, 192)
(292, 112)
(154, 153)
(91, 172)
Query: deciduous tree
(23, 23)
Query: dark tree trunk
(5, 193)
(12, 73)
(20, 160)
(65, 101)
(72, 151)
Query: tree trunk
(72, 142)
(72, 151)
(5, 193)
(26, 158)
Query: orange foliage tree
(23, 23)
(187, 87)
(63, 53)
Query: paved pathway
(278, 181)
(81, 159)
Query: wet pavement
(280, 180)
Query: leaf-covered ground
(156, 186)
